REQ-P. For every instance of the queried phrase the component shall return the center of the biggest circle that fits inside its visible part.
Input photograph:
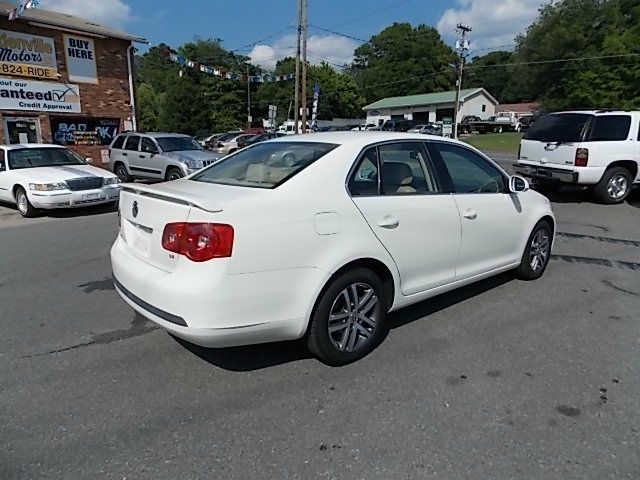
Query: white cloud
(331, 48)
(112, 13)
(494, 22)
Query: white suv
(160, 156)
(599, 149)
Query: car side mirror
(518, 184)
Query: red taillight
(198, 242)
(582, 157)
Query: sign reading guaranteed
(38, 96)
(27, 55)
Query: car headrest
(395, 174)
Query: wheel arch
(173, 166)
(375, 265)
(14, 190)
(630, 165)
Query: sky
(264, 30)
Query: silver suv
(160, 156)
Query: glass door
(22, 130)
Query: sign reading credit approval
(38, 96)
(27, 55)
(81, 59)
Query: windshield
(43, 157)
(264, 165)
(177, 144)
(565, 127)
(226, 137)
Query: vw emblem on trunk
(134, 209)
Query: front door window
(22, 130)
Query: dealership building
(64, 80)
(432, 107)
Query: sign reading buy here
(27, 55)
(81, 59)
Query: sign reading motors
(27, 55)
(38, 96)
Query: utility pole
(249, 119)
(305, 26)
(296, 107)
(462, 46)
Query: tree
(404, 60)
(485, 71)
(584, 28)
(148, 106)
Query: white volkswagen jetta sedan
(35, 176)
(319, 237)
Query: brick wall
(108, 99)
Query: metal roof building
(431, 107)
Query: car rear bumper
(68, 199)
(207, 306)
(546, 173)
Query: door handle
(142, 156)
(388, 221)
(125, 154)
(470, 214)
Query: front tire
(173, 174)
(537, 252)
(614, 186)
(24, 205)
(349, 320)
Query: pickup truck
(598, 149)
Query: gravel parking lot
(503, 379)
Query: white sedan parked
(35, 176)
(320, 237)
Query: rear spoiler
(169, 195)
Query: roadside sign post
(447, 126)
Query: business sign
(39, 96)
(74, 130)
(27, 55)
(81, 59)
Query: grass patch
(495, 142)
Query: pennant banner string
(17, 11)
(218, 72)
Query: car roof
(20, 146)
(359, 139)
(156, 134)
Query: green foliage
(386, 65)
(498, 81)
(583, 28)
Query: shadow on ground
(256, 357)
(572, 194)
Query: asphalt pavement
(500, 380)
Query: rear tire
(349, 319)
(24, 205)
(537, 252)
(122, 173)
(614, 186)
(173, 174)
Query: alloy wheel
(617, 186)
(353, 317)
(21, 201)
(539, 251)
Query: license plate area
(91, 196)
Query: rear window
(565, 127)
(264, 165)
(118, 142)
(609, 128)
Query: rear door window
(118, 142)
(610, 128)
(564, 127)
(132, 143)
(405, 169)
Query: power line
(370, 14)
(252, 44)
(561, 60)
